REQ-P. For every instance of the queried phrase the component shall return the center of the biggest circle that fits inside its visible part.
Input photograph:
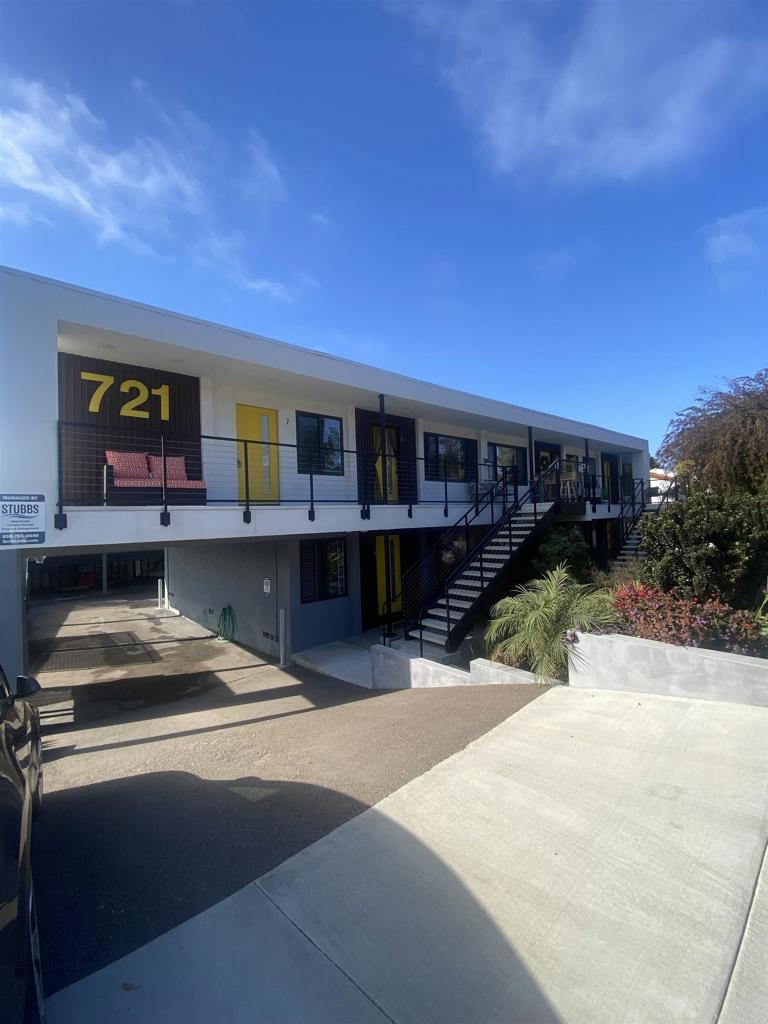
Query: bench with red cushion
(136, 478)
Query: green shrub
(616, 574)
(534, 627)
(564, 544)
(709, 546)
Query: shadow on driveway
(179, 845)
(119, 862)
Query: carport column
(104, 572)
(13, 619)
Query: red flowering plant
(655, 614)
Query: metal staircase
(465, 570)
(634, 508)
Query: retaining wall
(617, 662)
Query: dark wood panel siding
(86, 435)
(365, 420)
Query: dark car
(21, 790)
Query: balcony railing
(114, 467)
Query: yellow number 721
(105, 383)
(132, 406)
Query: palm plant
(535, 625)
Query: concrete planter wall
(396, 670)
(485, 672)
(617, 662)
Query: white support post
(281, 636)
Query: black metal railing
(430, 579)
(631, 510)
(217, 470)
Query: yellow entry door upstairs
(255, 424)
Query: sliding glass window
(510, 457)
(320, 441)
(456, 457)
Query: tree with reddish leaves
(721, 441)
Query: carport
(97, 656)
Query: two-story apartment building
(314, 495)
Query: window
(511, 458)
(320, 444)
(456, 456)
(323, 569)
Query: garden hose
(227, 624)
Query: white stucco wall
(31, 310)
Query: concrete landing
(350, 659)
(342, 660)
(593, 859)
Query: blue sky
(560, 204)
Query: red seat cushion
(194, 485)
(128, 465)
(143, 481)
(174, 468)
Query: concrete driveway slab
(242, 953)
(592, 859)
(596, 851)
(746, 1001)
(171, 786)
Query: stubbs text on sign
(22, 519)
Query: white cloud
(739, 236)
(263, 180)
(222, 251)
(553, 261)
(155, 195)
(737, 246)
(320, 219)
(19, 214)
(596, 90)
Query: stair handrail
(460, 528)
(497, 493)
(631, 510)
(629, 523)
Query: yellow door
(394, 568)
(607, 482)
(387, 481)
(255, 424)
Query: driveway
(595, 858)
(173, 781)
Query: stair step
(435, 625)
(429, 637)
(456, 602)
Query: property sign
(22, 519)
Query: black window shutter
(308, 570)
(470, 459)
